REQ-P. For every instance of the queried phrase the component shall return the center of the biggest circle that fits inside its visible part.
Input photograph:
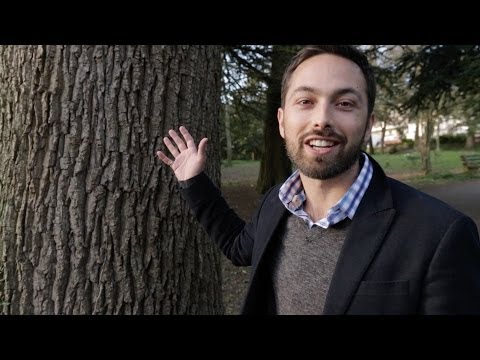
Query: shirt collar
(292, 195)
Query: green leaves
(437, 74)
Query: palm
(189, 161)
(187, 164)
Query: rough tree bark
(90, 222)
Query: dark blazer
(405, 251)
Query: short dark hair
(346, 51)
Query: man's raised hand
(189, 161)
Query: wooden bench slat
(471, 161)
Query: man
(338, 236)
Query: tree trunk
(427, 137)
(275, 166)
(382, 139)
(470, 142)
(418, 123)
(437, 136)
(90, 222)
(370, 145)
(472, 130)
(228, 137)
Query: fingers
(202, 148)
(188, 138)
(180, 144)
(172, 148)
(166, 160)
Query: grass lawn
(446, 166)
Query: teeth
(320, 143)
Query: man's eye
(344, 104)
(304, 102)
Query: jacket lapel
(267, 228)
(258, 299)
(367, 232)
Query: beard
(324, 167)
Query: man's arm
(222, 224)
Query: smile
(321, 143)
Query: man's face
(325, 119)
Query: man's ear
(281, 128)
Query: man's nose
(321, 116)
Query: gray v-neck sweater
(303, 266)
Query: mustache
(326, 132)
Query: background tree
(468, 108)
(275, 165)
(90, 222)
(391, 93)
(438, 75)
(244, 101)
(246, 70)
(262, 66)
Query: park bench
(471, 161)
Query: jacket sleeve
(234, 237)
(452, 283)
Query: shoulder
(405, 197)
(271, 197)
(270, 204)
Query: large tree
(254, 73)
(275, 165)
(246, 72)
(90, 222)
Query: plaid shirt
(292, 195)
